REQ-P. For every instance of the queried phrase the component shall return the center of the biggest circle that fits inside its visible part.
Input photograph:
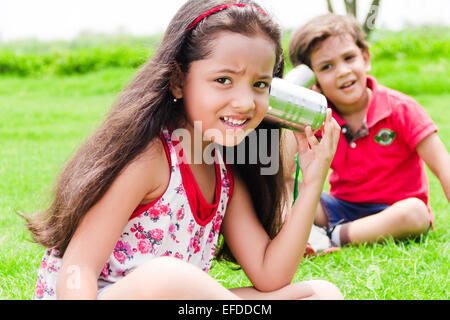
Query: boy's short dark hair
(305, 39)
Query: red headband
(217, 9)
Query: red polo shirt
(383, 166)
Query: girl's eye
(261, 85)
(349, 57)
(223, 80)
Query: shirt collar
(379, 106)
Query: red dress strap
(144, 207)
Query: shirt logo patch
(385, 137)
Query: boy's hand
(315, 157)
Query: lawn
(44, 118)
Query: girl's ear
(177, 81)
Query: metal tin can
(295, 107)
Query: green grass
(86, 53)
(42, 122)
(44, 119)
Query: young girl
(133, 218)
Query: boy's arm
(433, 152)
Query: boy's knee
(415, 215)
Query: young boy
(378, 183)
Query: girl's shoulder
(154, 169)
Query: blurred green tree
(351, 9)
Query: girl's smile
(234, 122)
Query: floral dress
(179, 224)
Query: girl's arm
(288, 145)
(271, 264)
(433, 152)
(100, 229)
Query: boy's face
(340, 68)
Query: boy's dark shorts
(340, 211)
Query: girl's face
(227, 94)
(340, 68)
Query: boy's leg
(405, 218)
(320, 219)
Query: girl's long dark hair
(143, 108)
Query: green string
(297, 172)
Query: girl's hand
(315, 87)
(315, 157)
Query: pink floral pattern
(167, 228)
